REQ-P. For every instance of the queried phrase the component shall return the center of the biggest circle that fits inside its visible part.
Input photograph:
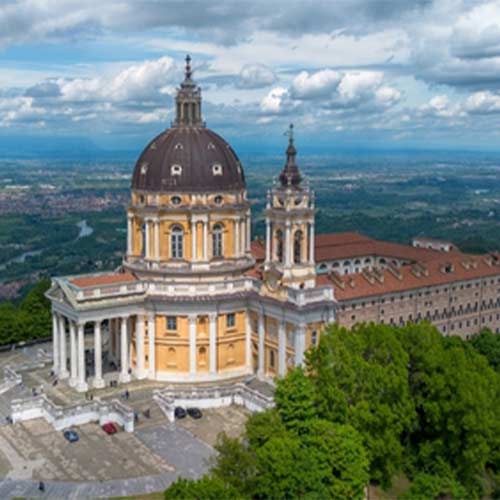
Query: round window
(218, 200)
(176, 200)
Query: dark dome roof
(207, 163)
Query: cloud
(312, 86)
(254, 76)
(483, 103)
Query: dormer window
(211, 145)
(217, 169)
(153, 145)
(144, 168)
(178, 146)
(175, 170)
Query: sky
(347, 73)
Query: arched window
(279, 245)
(202, 353)
(177, 242)
(217, 246)
(297, 247)
(271, 359)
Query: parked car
(110, 428)
(179, 412)
(194, 413)
(71, 435)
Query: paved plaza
(98, 465)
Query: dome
(184, 159)
(188, 157)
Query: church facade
(197, 300)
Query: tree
(487, 343)
(428, 486)
(260, 427)
(206, 488)
(361, 379)
(296, 400)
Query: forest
(375, 405)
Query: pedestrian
(127, 394)
(41, 486)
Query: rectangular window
(171, 323)
(230, 320)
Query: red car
(110, 428)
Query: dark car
(179, 412)
(71, 435)
(194, 413)
(110, 428)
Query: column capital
(192, 318)
(151, 316)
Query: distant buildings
(196, 300)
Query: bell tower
(290, 225)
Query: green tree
(361, 379)
(428, 487)
(260, 427)
(296, 400)
(206, 488)
(487, 343)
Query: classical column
(288, 244)
(63, 364)
(248, 341)
(281, 349)
(98, 380)
(262, 354)
(249, 234)
(124, 375)
(55, 343)
(243, 233)
(139, 347)
(300, 344)
(157, 238)
(151, 345)
(205, 241)
(194, 250)
(129, 234)
(73, 379)
(268, 240)
(147, 253)
(81, 386)
(192, 344)
(236, 238)
(212, 339)
(311, 242)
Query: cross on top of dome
(188, 100)
(290, 175)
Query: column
(55, 343)
(248, 341)
(98, 380)
(73, 379)
(124, 375)
(300, 343)
(139, 347)
(268, 240)
(151, 345)
(311, 242)
(192, 344)
(249, 234)
(129, 234)
(157, 239)
(81, 386)
(205, 241)
(281, 349)
(194, 255)
(63, 363)
(243, 233)
(147, 252)
(262, 354)
(288, 245)
(236, 238)
(212, 339)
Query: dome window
(217, 169)
(153, 145)
(211, 145)
(144, 168)
(176, 200)
(178, 146)
(175, 170)
(218, 200)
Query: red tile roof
(103, 279)
(432, 273)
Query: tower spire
(188, 100)
(290, 175)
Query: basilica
(197, 300)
